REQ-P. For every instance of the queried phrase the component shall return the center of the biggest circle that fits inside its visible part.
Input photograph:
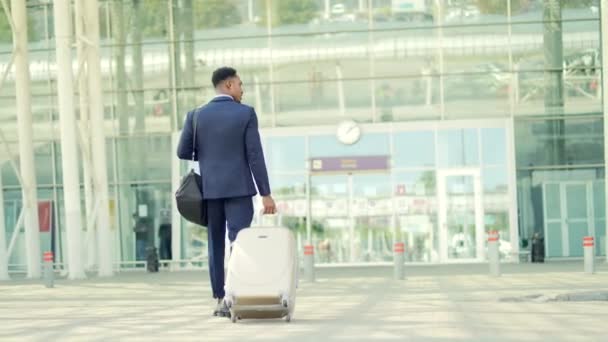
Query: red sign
(45, 216)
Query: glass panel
(458, 147)
(499, 221)
(329, 146)
(599, 199)
(417, 216)
(9, 175)
(576, 201)
(150, 205)
(419, 183)
(493, 146)
(289, 192)
(600, 237)
(559, 142)
(372, 186)
(12, 209)
(410, 90)
(330, 218)
(294, 109)
(554, 240)
(135, 63)
(552, 196)
(471, 91)
(582, 57)
(285, 153)
(134, 164)
(414, 149)
(288, 185)
(573, 44)
(476, 59)
(409, 98)
(576, 232)
(372, 206)
(460, 204)
(369, 211)
(373, 239)
(495, 180)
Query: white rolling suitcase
(262, 276)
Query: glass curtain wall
(317, 62)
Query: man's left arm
(255, 155)
(185, 148)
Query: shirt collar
(222, 95)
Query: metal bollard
(399, 258)
(309, 262)
(493, 254)
(49, 273)
(588, 245)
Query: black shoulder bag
(189, 197)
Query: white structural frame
(604, 44)
(98, 139)
(3, 252)
(176, 219)
(67, 122)
(25, 133)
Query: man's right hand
(269, 206)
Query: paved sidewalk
(435, 303)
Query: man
(229, 151)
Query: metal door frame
(442, 175)
(564, 220)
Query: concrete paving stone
(434, 303)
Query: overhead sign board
(350, 164)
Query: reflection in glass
(460, 225)
(414, 149)
(285, 153)
(328, 146)
(458, 147)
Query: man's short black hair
(222, 74)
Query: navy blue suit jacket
(228, 149)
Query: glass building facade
(488, 112)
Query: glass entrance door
(351, 221)
(568, 217)
(460, 215)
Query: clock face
(348, 132)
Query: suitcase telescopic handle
(261, 216)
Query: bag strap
(194, 122)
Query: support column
(67, 124)
(25, 133)
(250, 10)
(176, 219)
(604, 44)
(98, 140)
(3, 251)
(339, 78)
(85, 133)
(371, 58)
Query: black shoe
(221, 310)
